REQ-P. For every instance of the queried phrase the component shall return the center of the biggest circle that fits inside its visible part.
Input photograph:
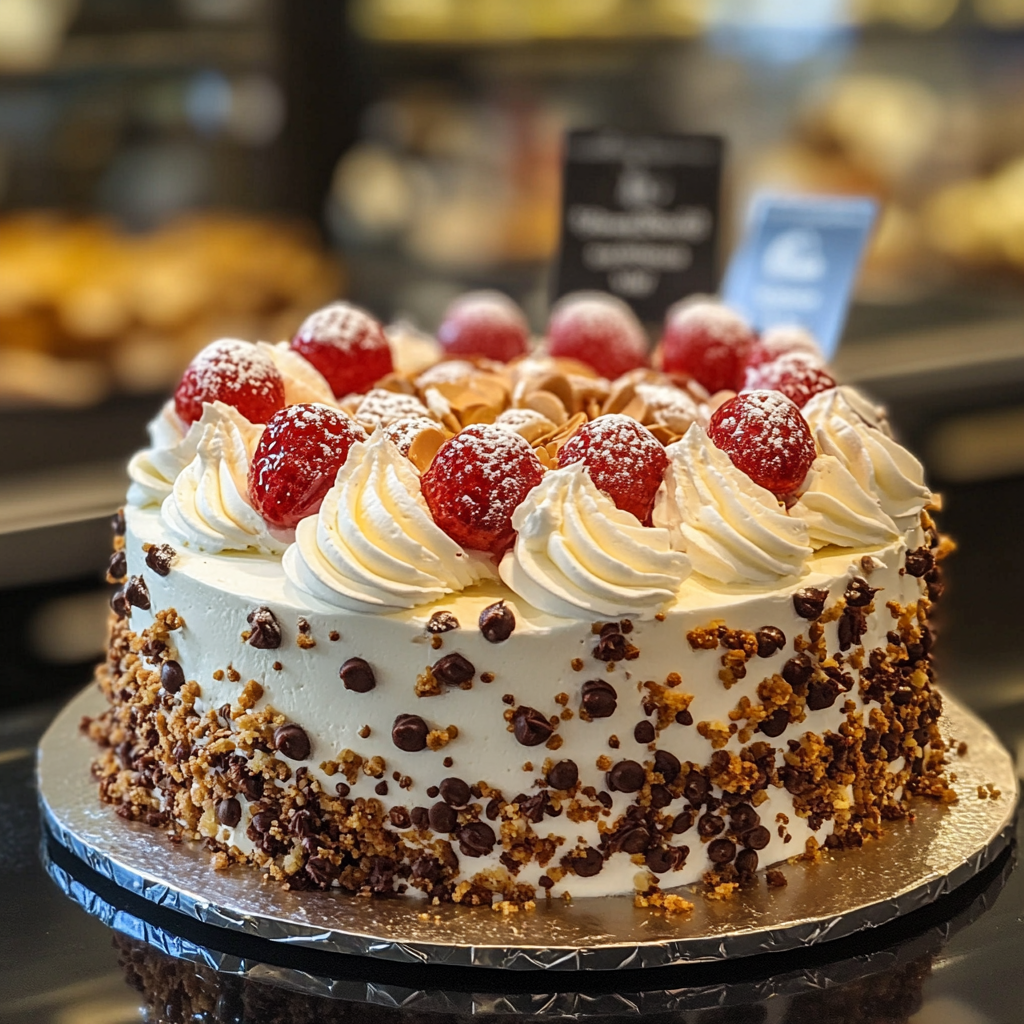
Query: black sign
(640, 217)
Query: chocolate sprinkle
(172, 677)
(159, 558)
(810, 602)
(721, 851)
(497, 622)
(117, 566)
(357, 676)
(666, 764)
(442, 622)
(292, 741)
(229, 812)
(265, 634)
(531, 728)
(443, 818)
(643, 732)
(599, 698)
(476, 839)
(769, 640)
(453, 670)
(454, 792)
(585, 864)
(563, 775)
(626, 777)
(409, 733)
(137, 593)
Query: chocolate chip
(599, 698)
(117, 566)
(682, 822)
(852, 626)
(810, 602)
(182, 751)
(626, 777)
(743, 817)
(137, 593)
(563, 775)
(433, 791)
(172, 677)
(159, 558)
(757, 838)
(262, 822)
(822, 693)
(684, 718)
(409, 733)
(919, 561)
(605, 800)
(798, 670)
(381, 789)
(661, 796)
(530, 726)
(453, 670)
(859, 593)
(399, 817)
(442, 622)
(667, 765)
(476, 839)
(229, 812)
(769, 640)
(493, 808)
(455, 792)
(695, 789)
(546, 882)
(420, 817)
(117, 523)
(265, 633)
(292, 741)
(342, 789)
(497, 622)
(634, 840)
(611, 647)
(746, 862)
(586, 864)
(721, 851)
(643, 732)
(710, 825)
(775, 724)
(443, 818)
(357, 676)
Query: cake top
(587, 475)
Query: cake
(491, 632)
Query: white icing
(303, 382)
(837, 509)
(734, 530)
(847, 426)
(577, 555)
(208, 508)
(373, 546)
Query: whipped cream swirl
(837, 509)
(172, 447)
(577, 555)
(373, 546)
(847, 426)
(733, 530)
(208, 508)
(303, 382)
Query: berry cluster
(477, 478)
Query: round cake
(488, 631)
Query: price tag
(798, 263)
(640, 217)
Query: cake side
(585, 758)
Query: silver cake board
(912, 865)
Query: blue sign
(798, 262)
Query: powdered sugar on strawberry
(234, 372)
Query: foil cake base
(914, 864)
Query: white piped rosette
(373, 545)
(733, 530)
(208, 508)
(577, 555)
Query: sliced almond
(635, 407)
(719, 398)
(558, 385)
(451, 421)
(548, 405)
(593, 409)
(424, 447)
(479, 414)
(567, 429)
(398, 383)
(545, 459)
(665, 435)
(621, 394)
